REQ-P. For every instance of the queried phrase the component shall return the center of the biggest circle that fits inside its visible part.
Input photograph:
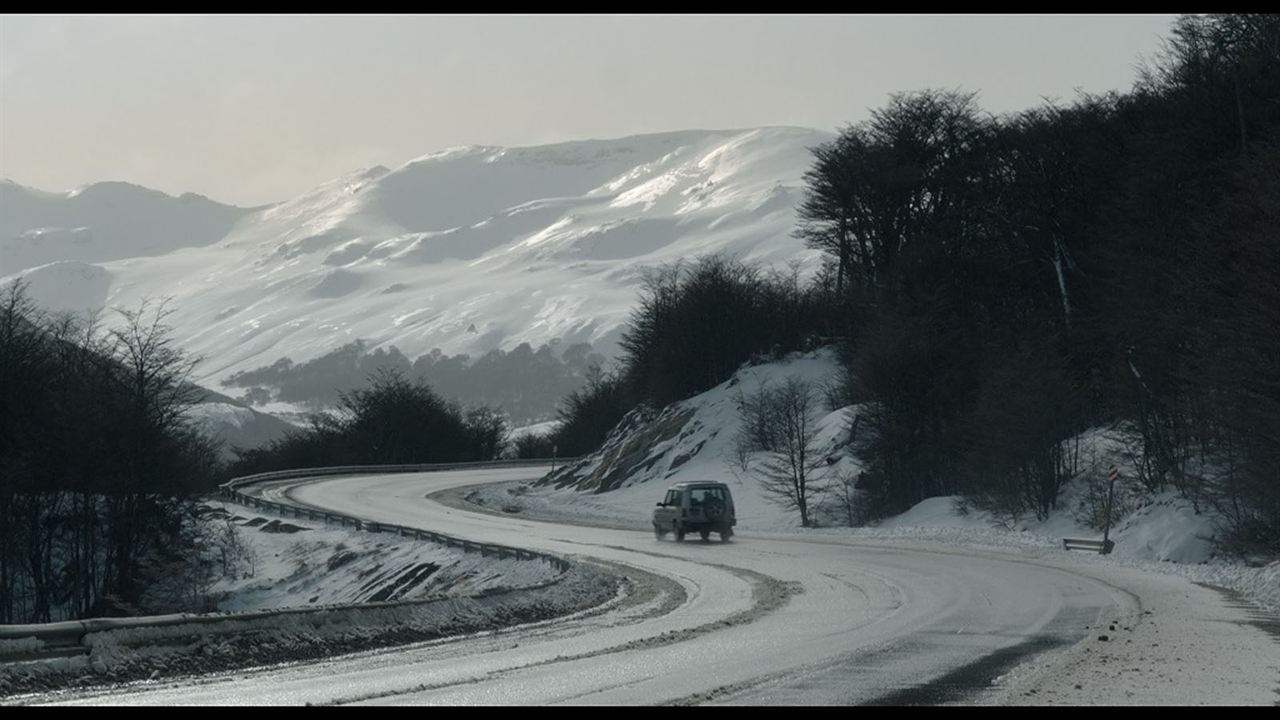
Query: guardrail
(67, 637)
(60, 637)
(362, 469)
(230, 490)
(1101, 547)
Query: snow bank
(147, 653)
(411, 591)
(299, 563)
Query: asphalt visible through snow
(768, 619)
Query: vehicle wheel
(725, 535)
(706, 535)
(658, 532)
(679, 534)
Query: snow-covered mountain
(465, 250)
(102, 222)
(235, 424)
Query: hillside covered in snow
(466, 250)
(696, 440)
(102, 222)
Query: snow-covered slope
(68, 286)
(102, 222)
(474, 248)
(290, 563)
(695, 440)
(235, 424)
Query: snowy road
(778, 619)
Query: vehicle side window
(673, 498)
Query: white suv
(701, 507)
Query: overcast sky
(251, 110)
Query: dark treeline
(1000, 284)
(1009, 282)
(393, 420)
(101, 469)
(97, 461)
(524, 382)
(695, 325)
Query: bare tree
(782, 423)
(757, 430)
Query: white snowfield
(467, 250)
(776, 618)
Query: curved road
(760, 620)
